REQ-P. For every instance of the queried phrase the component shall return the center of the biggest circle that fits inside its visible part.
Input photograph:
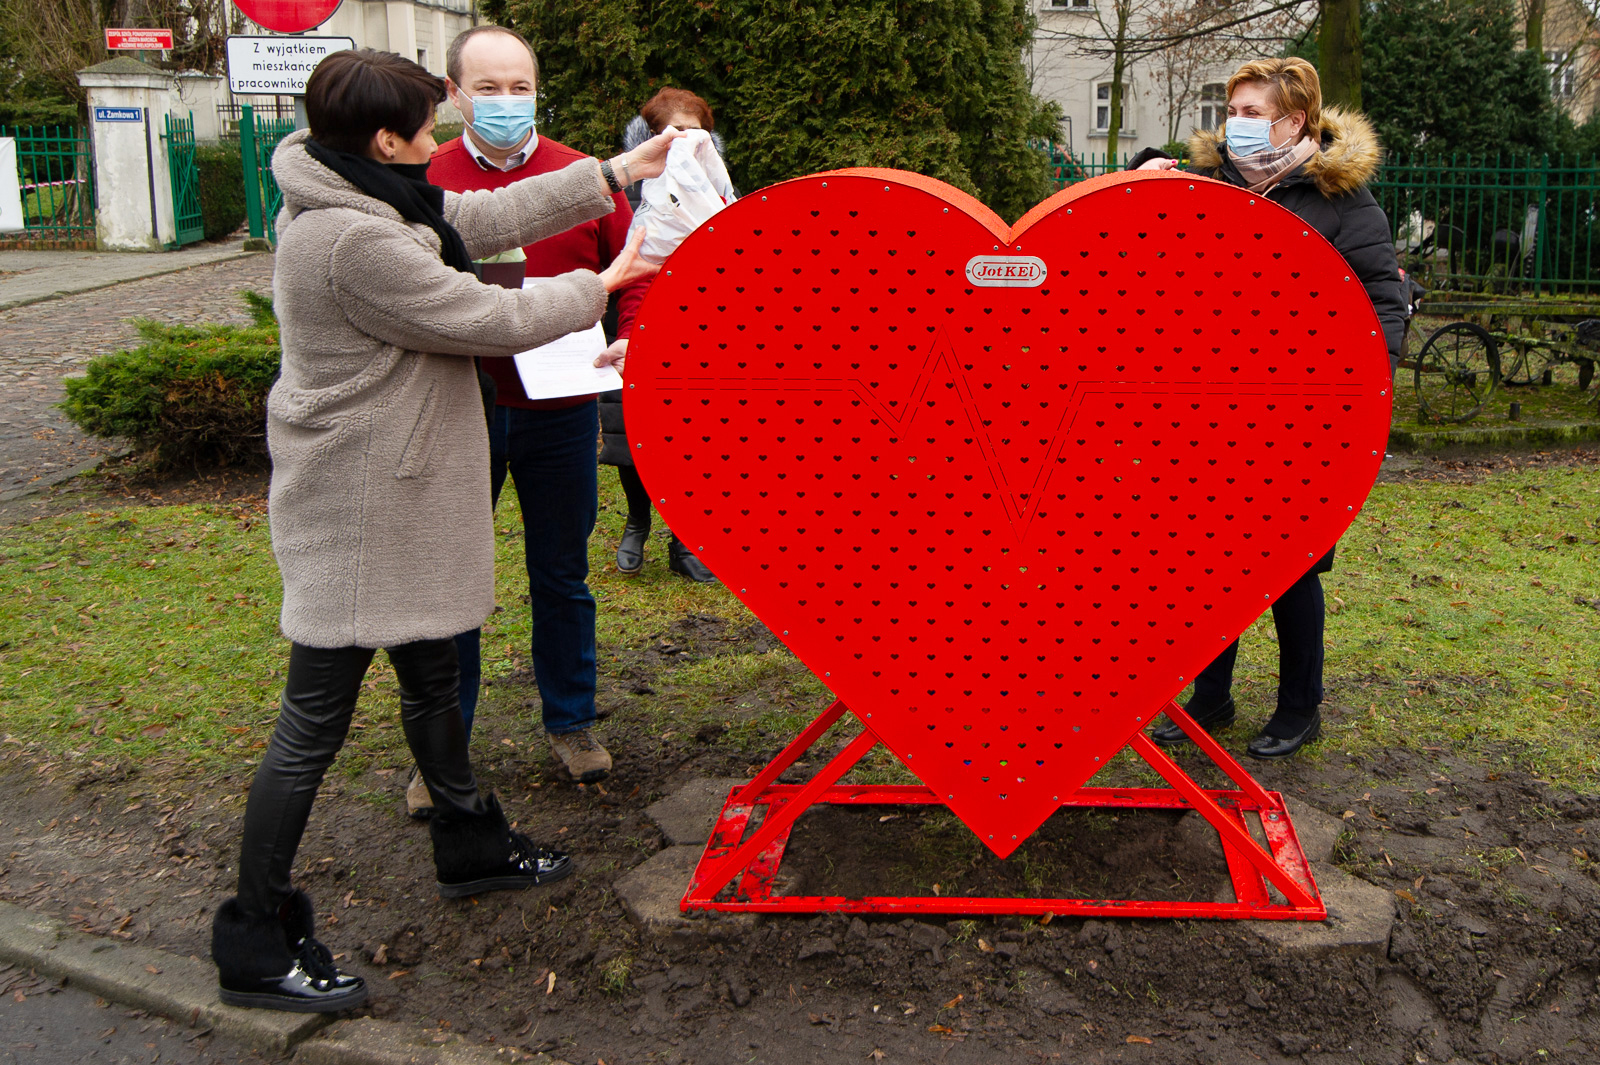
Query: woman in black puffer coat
(1280, 143)
(680, 109)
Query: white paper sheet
(565, 367)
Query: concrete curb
(146, 978)
(368, 1042)
(1498, 436)
(46, 297)
(56, 477)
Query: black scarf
(405, 187)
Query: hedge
(189, 395)
(221, 188)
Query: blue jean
(550, 457)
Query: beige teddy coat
(379, 504)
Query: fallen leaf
(398, 973)
(1047, 918)
(381, 955)
(152, 970)
(1141, 1039)
(941, 1029)
(550, 983)
(1403, 893)
(876, 1055)
(983, 945)
(953, 1003)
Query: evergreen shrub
(188, 395)
(938, 87)
(221, 188)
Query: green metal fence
(1529, 225)
(184, 171)
(56, 169)
(258, 139)
(1519, 224)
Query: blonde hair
(1293, 85)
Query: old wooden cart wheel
(1456, 372)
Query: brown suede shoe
(419, 804)
(586, 761)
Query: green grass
(1462, 617)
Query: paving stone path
(42, 343)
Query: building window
(1102, 108)
(1213, 105)
(1081, 5)
(422, 58)
(1563, 74)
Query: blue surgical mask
(1247, 136)
(502, 121)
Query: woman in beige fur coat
(379, 503)
(1279, 142)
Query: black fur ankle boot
(276, 963)
(474, 854)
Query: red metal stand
(738, 868)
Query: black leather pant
(314, 714)
(1298, 615)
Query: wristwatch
(611, 178)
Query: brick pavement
(44, 342)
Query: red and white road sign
(287, 16)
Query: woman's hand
(628, 267)
(1157, 164)
(648, 160)
(614, 356)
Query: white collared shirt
(513, 161)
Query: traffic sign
(140, 40)
(287, 16)
(278, 65)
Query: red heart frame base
(1007, 490)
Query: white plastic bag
(694, 187)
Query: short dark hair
(668, 102)
(355, 93)
(452, 55)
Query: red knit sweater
(590, 246)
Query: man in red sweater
(547, 446)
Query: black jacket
(1330, 192)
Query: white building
(1167, 93)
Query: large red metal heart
(1007, 489)
(288, 16)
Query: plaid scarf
(1264, 169)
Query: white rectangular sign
(277, 66)
(11, 218)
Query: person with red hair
(680, 109)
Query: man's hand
(614, 356)
(649, 159)
(628, 267)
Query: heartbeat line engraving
(1020, 480)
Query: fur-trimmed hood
(1348, 161)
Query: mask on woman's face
(1247, 136)
(502, 121)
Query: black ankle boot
(275, 963)
(682, 561)
(630, 553)
(1170, 735)
(475, 854)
